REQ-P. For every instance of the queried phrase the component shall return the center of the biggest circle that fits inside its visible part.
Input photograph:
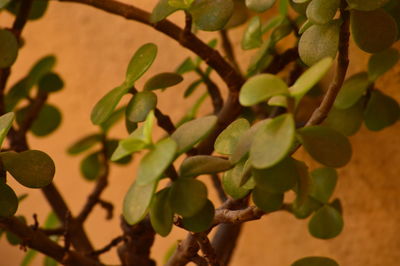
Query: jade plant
(246, 144)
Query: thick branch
(207, 249)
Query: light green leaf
(6, 121)
(140, 63)
(382, 62)
(381, 111)
(231, 181)
(8, 201)
(203, 164)
(190, 133)
(323, 183)
(267, 201)
(161, 214)
(161, 11)
(154, 163)
(134, 143)
(318, 42)
(272, 142)
(202, 220)
(259, 5)
(84, 144)
(261, 87)
(326, 145)
(162, 81)
(188, 196)
(182, 4)
(228, 139)
(252, 35)
(30, 255)
(32, 168)
(381, 33)
(326, 223)
(366, 5)
(353, 89)
(211, 15)
(186, 66)
(279, 100)
(322, 11)
(8, 48)
(137, 202)
(140, 105)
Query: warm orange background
(93, 49)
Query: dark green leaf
(259, 5)
(267, 201)
(353, 89)
(91, 166)
(140, 63)
(381, 33)
(84, 144)
(161, 214)
(188, 196)
(382, 62)
(252, 35)
(161, 11)
(40, 69)
(202, 220)
(140, 105)
(231, 181)
(239, 16)
(326, 145)
(326, 223)
(5, 125)
(37, 11)
(186, 66)
(13, 239)
(211, 15)
(322, 11)
(323, 183)
(4, 3)
(306, 208)
(300, 6)
(192, 87)
(366, 5)
(162, 81)
(8, 201)
(51, 82)
(203, 164)
(272, 141)
(8, 48)
(227, 141)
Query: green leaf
(32, 168)
(326, 223)
(228, 139)
(47, 121)
(91, 166)
(161, 214)
(30, 255)
(186, 66)
(279, 178)
(134, 143)
(140, 63)
(318, 42)
(137, 202)
(303, 186)
(8, 201)
(105, 107)
(231, 181)
(202, 220)
(353, 89)
(48, 261)
(381, 111)
(310, 78)
(162, 81)
(188, 196)
(261, 87)
(190, 133)
(239, 16)
(203, 164)
(51, 82)
(279, 100)
(40, 69)
(306, 208)
(115, 117)
(161, 11)
(366, 5)
(4, 3)
(211, 15)
(300, 6)
(322, 11)
(382, 62)
(326, 145)
(259, 5)
(8, 48)
(182, 4)
(267, 201)
(110, 146)
(5, 125)
(323, 183)
(346, 121)
(84, 144)
(140, 105)
(252, 35)
(192, 87)
(381, 33)
(273, 142)
(154, 163)
(37, 11)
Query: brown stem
(164, 121)
(207, 249)
(109, 246)
(218, 187)
(213, 90)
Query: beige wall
(93, 49)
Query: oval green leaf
(161, 11)
(140, 105)
(353, 89)
(161, 214)
(382, 62)
(202, 220)
(322, 11)
(140, 63)
(84, 144)
(91, 167)
(226, 141)
(8, 201)
(8, 48)
(231, 181)
(162, 81)
(203, 164)
(326, 223)
(252, 35)
(259, 5)
(323, 183)
(51, 82)
(211, 15)
(267, 201)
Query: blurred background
(93, 49)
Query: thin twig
(218, 187)
(228, 49)
(108, 207)
(164, 121)
(213, 90)
(108, 247)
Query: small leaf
(30, 255)
(252, 35)
(203, 164)
(154, 163)
(134, 143)
(381, 111)
(211, 15)
(91, 167)
(161, 214)
(190, 133)
(40, 69)
(192, 87)
(318, 42)
(322, 11)
(261, 87)
(267, 201)
(188, 196)
(279, 100)
(140, 63)
(231, 182)
(8, 201)
(8, 48)
(84, 144)
(239, 16)
(381, 33)
(272, 142)
(353, 89)
(279, 178)
(32, 168)
(115, 117)
(326, 145)
(326, 223)
(324, 182)
(137, 202)
(202, 220)
(37, 10)
(226, 141)
(186, 66)
(306, 208)
(382, 62)
(259, 5)
(5, 125)
(51, 82)
(366, 5)
(162, 81)
(161, 11)
(140, 105)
